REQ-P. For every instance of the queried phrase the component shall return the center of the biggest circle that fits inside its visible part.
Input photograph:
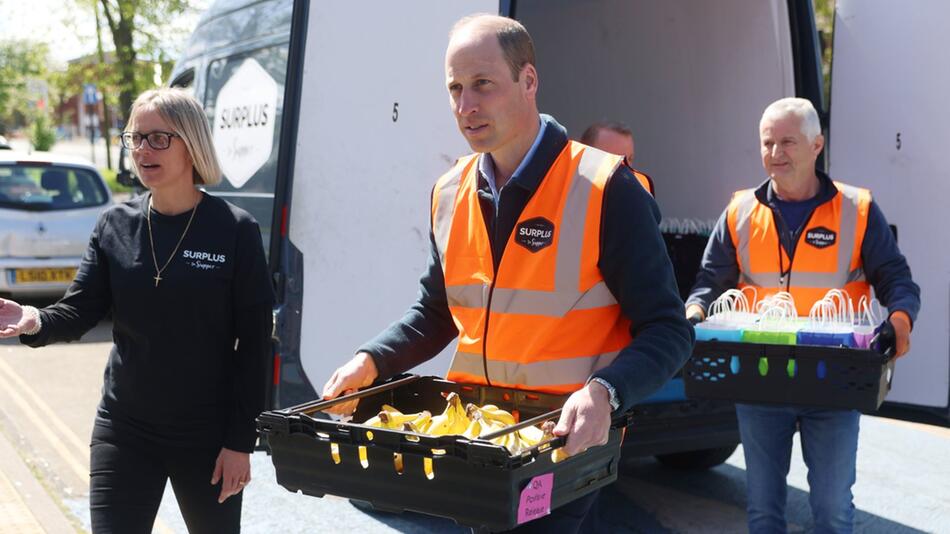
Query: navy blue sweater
(884, 266)
(633, 262)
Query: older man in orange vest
(803, 233)
(547, 263)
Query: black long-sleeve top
(188, 365)
(633, 262)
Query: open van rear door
(374, 131)
(889, 132)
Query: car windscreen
(43, 187)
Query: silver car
(48, 208)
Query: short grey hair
(186, 118)
(798, 107)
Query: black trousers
(128, 476)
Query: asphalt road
(48, 398)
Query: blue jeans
(829, 448)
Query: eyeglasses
(156, 140)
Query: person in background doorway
(617, 138)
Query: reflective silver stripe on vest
(800, 279)
(529, 302)
(536, 374)
(744, 206)
(850, 200)
(846, 239)
(570, 244)
(442, 219)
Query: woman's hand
(13, 321)
(233, 469)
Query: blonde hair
(186, 118)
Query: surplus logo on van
(820, 237)
(244, 122)
(535, 234)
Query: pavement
(48, 398)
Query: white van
(333, 122)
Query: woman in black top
(186, 280)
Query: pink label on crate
(536, 498)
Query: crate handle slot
(398, 464)
(320, 405)
(621, 421)
(364, 457)
(428, 467)
(550, 444)
(524, 424)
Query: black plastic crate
(803, 375)
(474, 482)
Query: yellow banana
(378, 420)
(548, 430)
(491, 412)
(461, 421)
(531, 435)
(375, 421)
(451, 421)
(420, 424)
(392, 419)
(395, 420)
(474, 429)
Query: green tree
(20, 62)
(42, 135)
(825, 22)
(137, 27)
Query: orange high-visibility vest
(645, 181)
(545, 321)
(827, 255)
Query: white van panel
(890, 133)
(690, 77)
(362, 181)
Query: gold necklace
(148, 217)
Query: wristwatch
(614, 399)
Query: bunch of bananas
(470, 421)
(392, 419)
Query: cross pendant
(158, 278)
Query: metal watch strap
(614, 399)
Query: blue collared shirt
(486, 166)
